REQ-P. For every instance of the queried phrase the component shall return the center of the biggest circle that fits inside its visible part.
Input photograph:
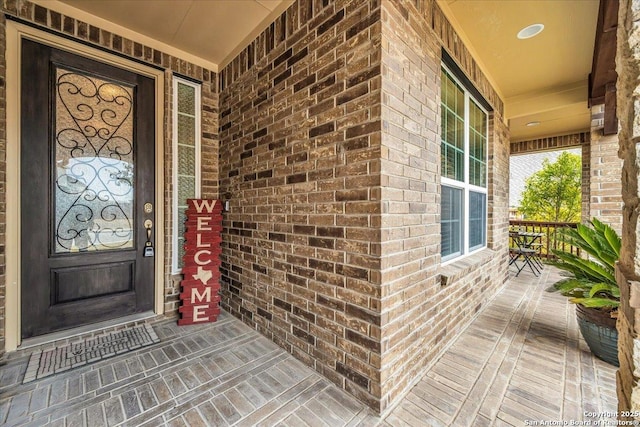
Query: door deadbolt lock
(148, 208)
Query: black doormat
(48, 362)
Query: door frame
(15, 33)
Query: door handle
(148, 224)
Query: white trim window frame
(186, 159)
(464, 231)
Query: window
(463, 169)
(186, 159)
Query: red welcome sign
(201, 262)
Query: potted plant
(592, 286)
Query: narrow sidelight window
(463, 162)
(186, 159)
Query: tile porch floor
(521, 359)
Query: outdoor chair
(521, 254)
(537, 258)
(527, 256)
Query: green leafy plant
(554, 193)
(592, 282)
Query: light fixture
(531, 124)
(530, 31)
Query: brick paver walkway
(521, 359)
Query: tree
(554, 192)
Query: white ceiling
(214, 30)
(540, 79)
(543, 79)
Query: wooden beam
(603, 67)
(610, 106)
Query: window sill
(462, 267)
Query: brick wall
(628, 272)
(69, 26)
(498, 235)
(411, 332)
(330, 154)
(550, 143)
(300, 160)
(421, 311)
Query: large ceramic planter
(599, 331)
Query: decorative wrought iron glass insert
(94, 168)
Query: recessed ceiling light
(530, 31)
(530, 124)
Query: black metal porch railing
(550, 239)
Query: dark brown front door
(87, 172)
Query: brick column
(628, 274)
(586, 181)
(3, 151)
(605, 191)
